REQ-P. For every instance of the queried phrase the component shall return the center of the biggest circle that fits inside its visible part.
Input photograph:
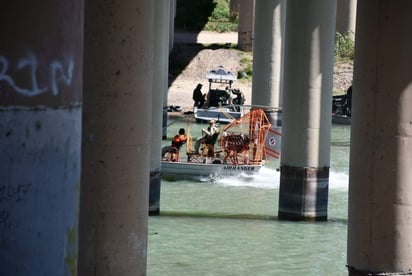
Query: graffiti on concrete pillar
(31, 64)
(60, 73)
(10, 194)
(13, 193)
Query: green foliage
(219, 20)
(221, 26)
(193, 15)
(221, 11)
(344, 47)
(207, 15)
(247, 64)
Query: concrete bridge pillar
(118, 81)
(346, 17)
(41, 49)
(172, 17)
(160, 88)
(380, 194)
(269, 28)
(307, 105)
(245, 26)
(234, 8)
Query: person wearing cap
(209, 135)
(198, 96)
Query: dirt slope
(197, 60)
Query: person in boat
(178, 141)
(209, 136)
(198, 96)
(240, 97)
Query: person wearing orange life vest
(179, 139)
(177, 142)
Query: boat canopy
(221, 76)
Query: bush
(221, 11)
(344, 47)
(207, 15)
(247, 64)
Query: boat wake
(270, 178)
(265, 179)
(338, 180)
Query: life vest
(179, 140)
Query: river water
(229, 226)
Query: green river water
(229, 226)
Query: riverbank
(194, 54)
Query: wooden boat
(239, 150)
(220, 105)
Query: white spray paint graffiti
(31, 63)
(57, 75)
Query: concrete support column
(269, 28)
(164, 118)
(40, 133)
(160, 88)
(245, 26)
(346, 17)
(118, 81)
(307, 100)
(234, 8)
(172, 17)
(380, 194)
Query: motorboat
(240, 149)
(223, 103)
